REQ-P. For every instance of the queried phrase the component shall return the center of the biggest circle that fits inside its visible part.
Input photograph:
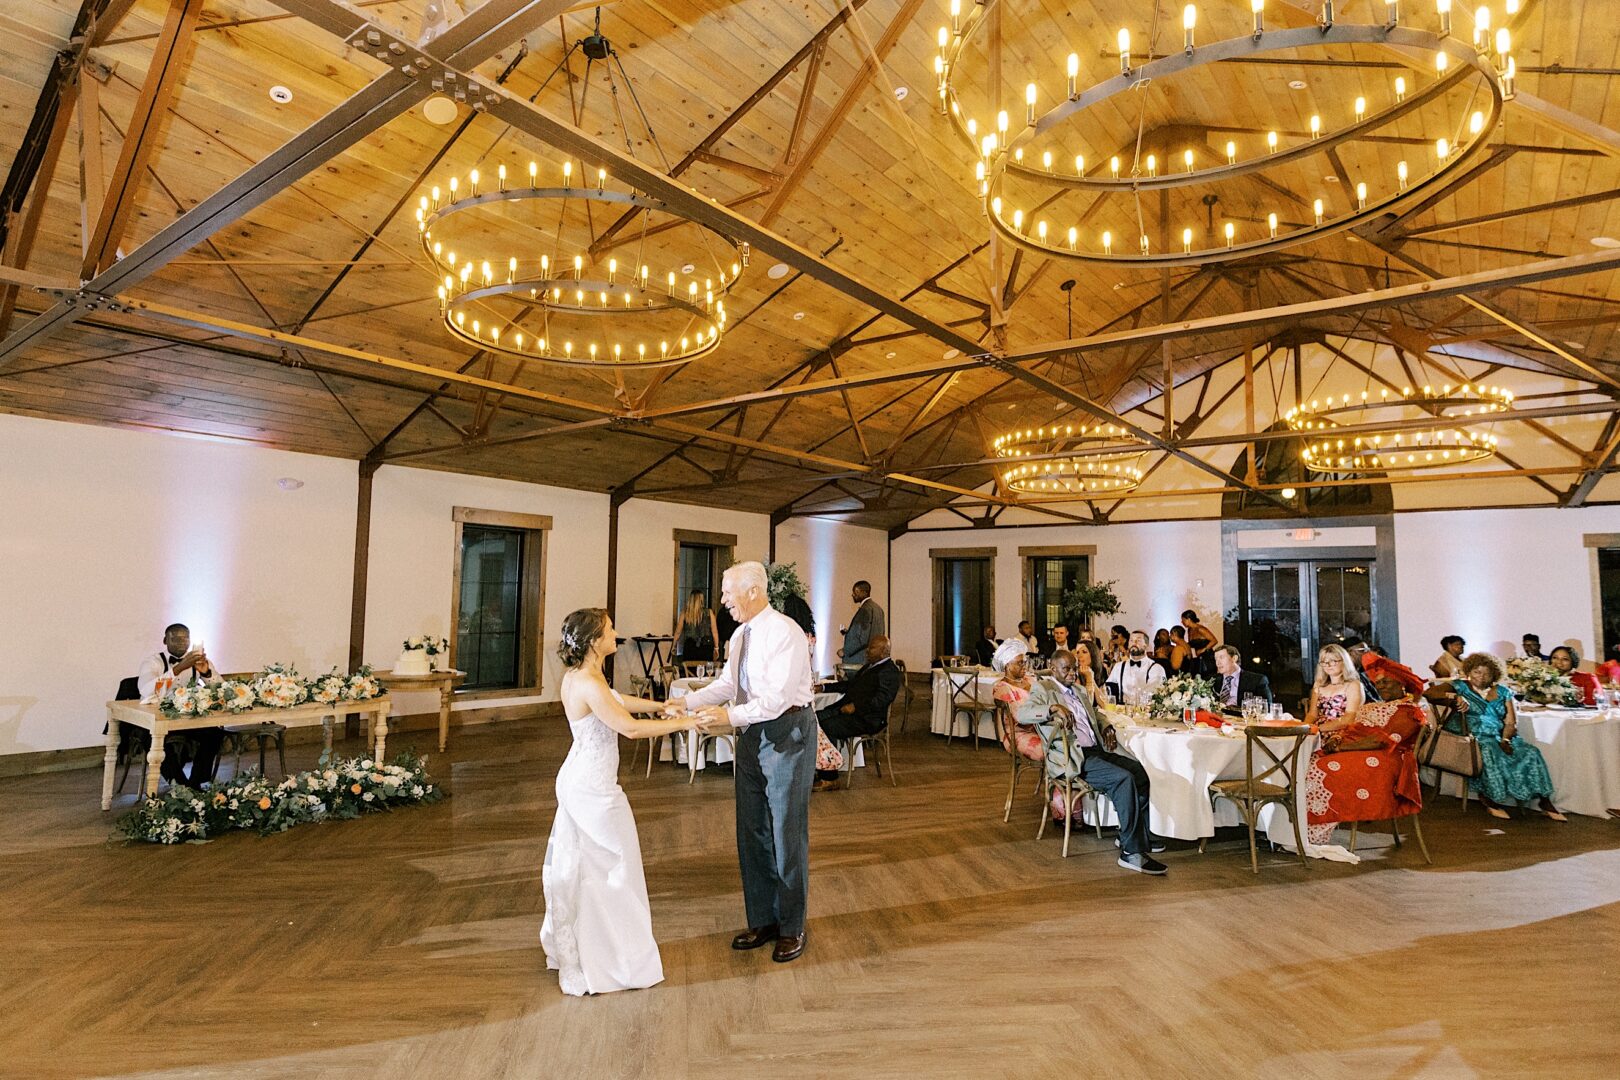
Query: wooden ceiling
(304, 316)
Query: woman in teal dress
(1514, 770)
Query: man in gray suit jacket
(867, 623)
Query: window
(700, 559)
(498, 599)
(964, 584)
(1609, 599)
(1047, 577)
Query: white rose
(368, 796)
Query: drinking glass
(1276, 711)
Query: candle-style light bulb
(455, 185)
(1441, 62)
(1074, 75)
(534, 172)
(1259, 9)
(1142, 242)
(1400, 88)
(601, 180)
(1152, 165)
(1444, 8)
(1018, 221)
(1318, 208)
(1316, 127)
(1482, 27)
(1074, 237)
(1271, 224)
(1361, 195)
(1187, 159)
(1079, 164)
(956, 16)
(1186, 240)
(472, 178)
(1029, 104)
(1476, 123)
(1509, 74)
(568, 174)
(1113, 166)
(1392, 12)
(1504, 43)
(1361, 109)
(1400, 174)
(1001, 122)
(1271, 141)
(1108, 243)
(943, 37)
(1231, 153)
(1040, 231)
(1189, 23)
(1124, 51)
(511, 268)
(1231, 233)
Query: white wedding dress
(597, 932)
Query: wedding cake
(412, 662)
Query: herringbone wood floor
(943, 943)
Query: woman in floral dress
(1514, 770)
(1335, 700)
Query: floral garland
(278, 686)
(1171, 697)
(339, 791)
(429, 644)
(1538, 681)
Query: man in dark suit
(864, 707)
(1233, 684)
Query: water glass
(1276, 712)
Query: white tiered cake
(412, 662)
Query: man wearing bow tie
(1136, 675)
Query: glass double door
(1289, 610)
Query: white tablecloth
(940, 723)
(719, 751)
(1582, 748)
(1181, 764)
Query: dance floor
(942, 942)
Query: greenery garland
(336, 790)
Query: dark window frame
(532, 598)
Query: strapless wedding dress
(597, 932)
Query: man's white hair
(748, 575)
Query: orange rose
(264, 803)
(218, 798)
(355, 788)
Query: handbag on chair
(1448, 751)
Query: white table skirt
(1181, 765)
(718, 751)
(1582, 748)
(940, 722)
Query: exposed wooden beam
(1602, 461)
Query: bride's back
(577, 684)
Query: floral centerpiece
(1171, 697)
(336, 791)
(198, 700)
(1538, 681)
(278, 686)
(429, 644)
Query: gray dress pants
(776, 763)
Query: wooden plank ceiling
(848, 166)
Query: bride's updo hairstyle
(579, 632)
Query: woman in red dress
(1565, 660)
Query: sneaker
(1156, 845)
(1142, 864)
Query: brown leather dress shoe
(788, 948)
(754, 937)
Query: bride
(597, 931)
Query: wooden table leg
(109, 767)
(444, 718)
(154, 759)
(326, 735)
(379, 726)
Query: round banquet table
(1181, 764)
(940, 722)
(1582, 748)
(718, 751)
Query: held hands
(714, 718)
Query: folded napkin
(1209, 719)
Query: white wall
(646, 599)
(831, 557)
(108, 535)
(412, 560)
(1493, 575)
(1158, 567)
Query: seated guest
(1609, 670)
(1336, 692)
(1060, 640)
(1134, 677)
(1358, 652)
(864, 707)
(1514, 769)
(1449, 664)
(178, 665)
(1233, 684)
(1392, 689)
(1121, 779)
(1532, 647)
(1378, 667)
(984, 650)
(1011, 660)
(1026, 631)
(1566, 661)
(1119, 644)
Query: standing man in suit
(1233, 684)
(764, 692)
(866, 624)
(864, 707)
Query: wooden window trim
(963, 553)
(725, 554)
(1601, 540)
(532, 663)
(1061, 551)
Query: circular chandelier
(1399, 449)
(1066, 459)
(575, 284)
(1004, 154)
(520, 268)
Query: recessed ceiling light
(1287, 493)
(439, 109)
(1605, 242)
(777, 272)
(1296, 84)
(900, 93)
(280, 95)
(289, 483)
(889, 355)
(798, 315)
(688, 268)
(1329, 178)
(952, 354)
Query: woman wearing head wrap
(1012, 661)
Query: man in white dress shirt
(1136, 674)
(182, 665)
(765, 692)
